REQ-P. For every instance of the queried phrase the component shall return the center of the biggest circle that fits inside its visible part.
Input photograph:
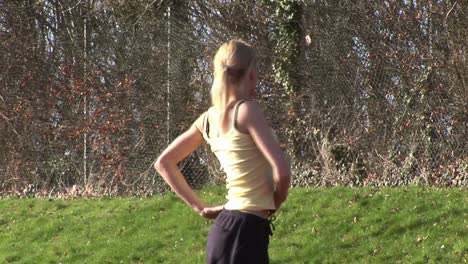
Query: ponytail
(231, 63)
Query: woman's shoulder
(249, 112)
(250, 108)
(200, 121)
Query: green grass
(316, 225)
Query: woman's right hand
(211, 212)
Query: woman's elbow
(160, 164)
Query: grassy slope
(317, 225)
(344, 225)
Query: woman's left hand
(211, 212)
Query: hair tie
(226, 67)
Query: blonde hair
(231, 62)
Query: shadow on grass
(12, 259)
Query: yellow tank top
(249, 178)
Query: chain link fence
(359, 93)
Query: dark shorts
(238, 237)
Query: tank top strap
(206, 125)
(236, 110)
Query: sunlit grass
(316, 225)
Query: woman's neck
(235, 98)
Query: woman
(257, 173)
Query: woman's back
(249, 175)
(257, 173)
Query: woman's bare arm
(167, 162)
(251, 119)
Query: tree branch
(8, 122)
(450, 11)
